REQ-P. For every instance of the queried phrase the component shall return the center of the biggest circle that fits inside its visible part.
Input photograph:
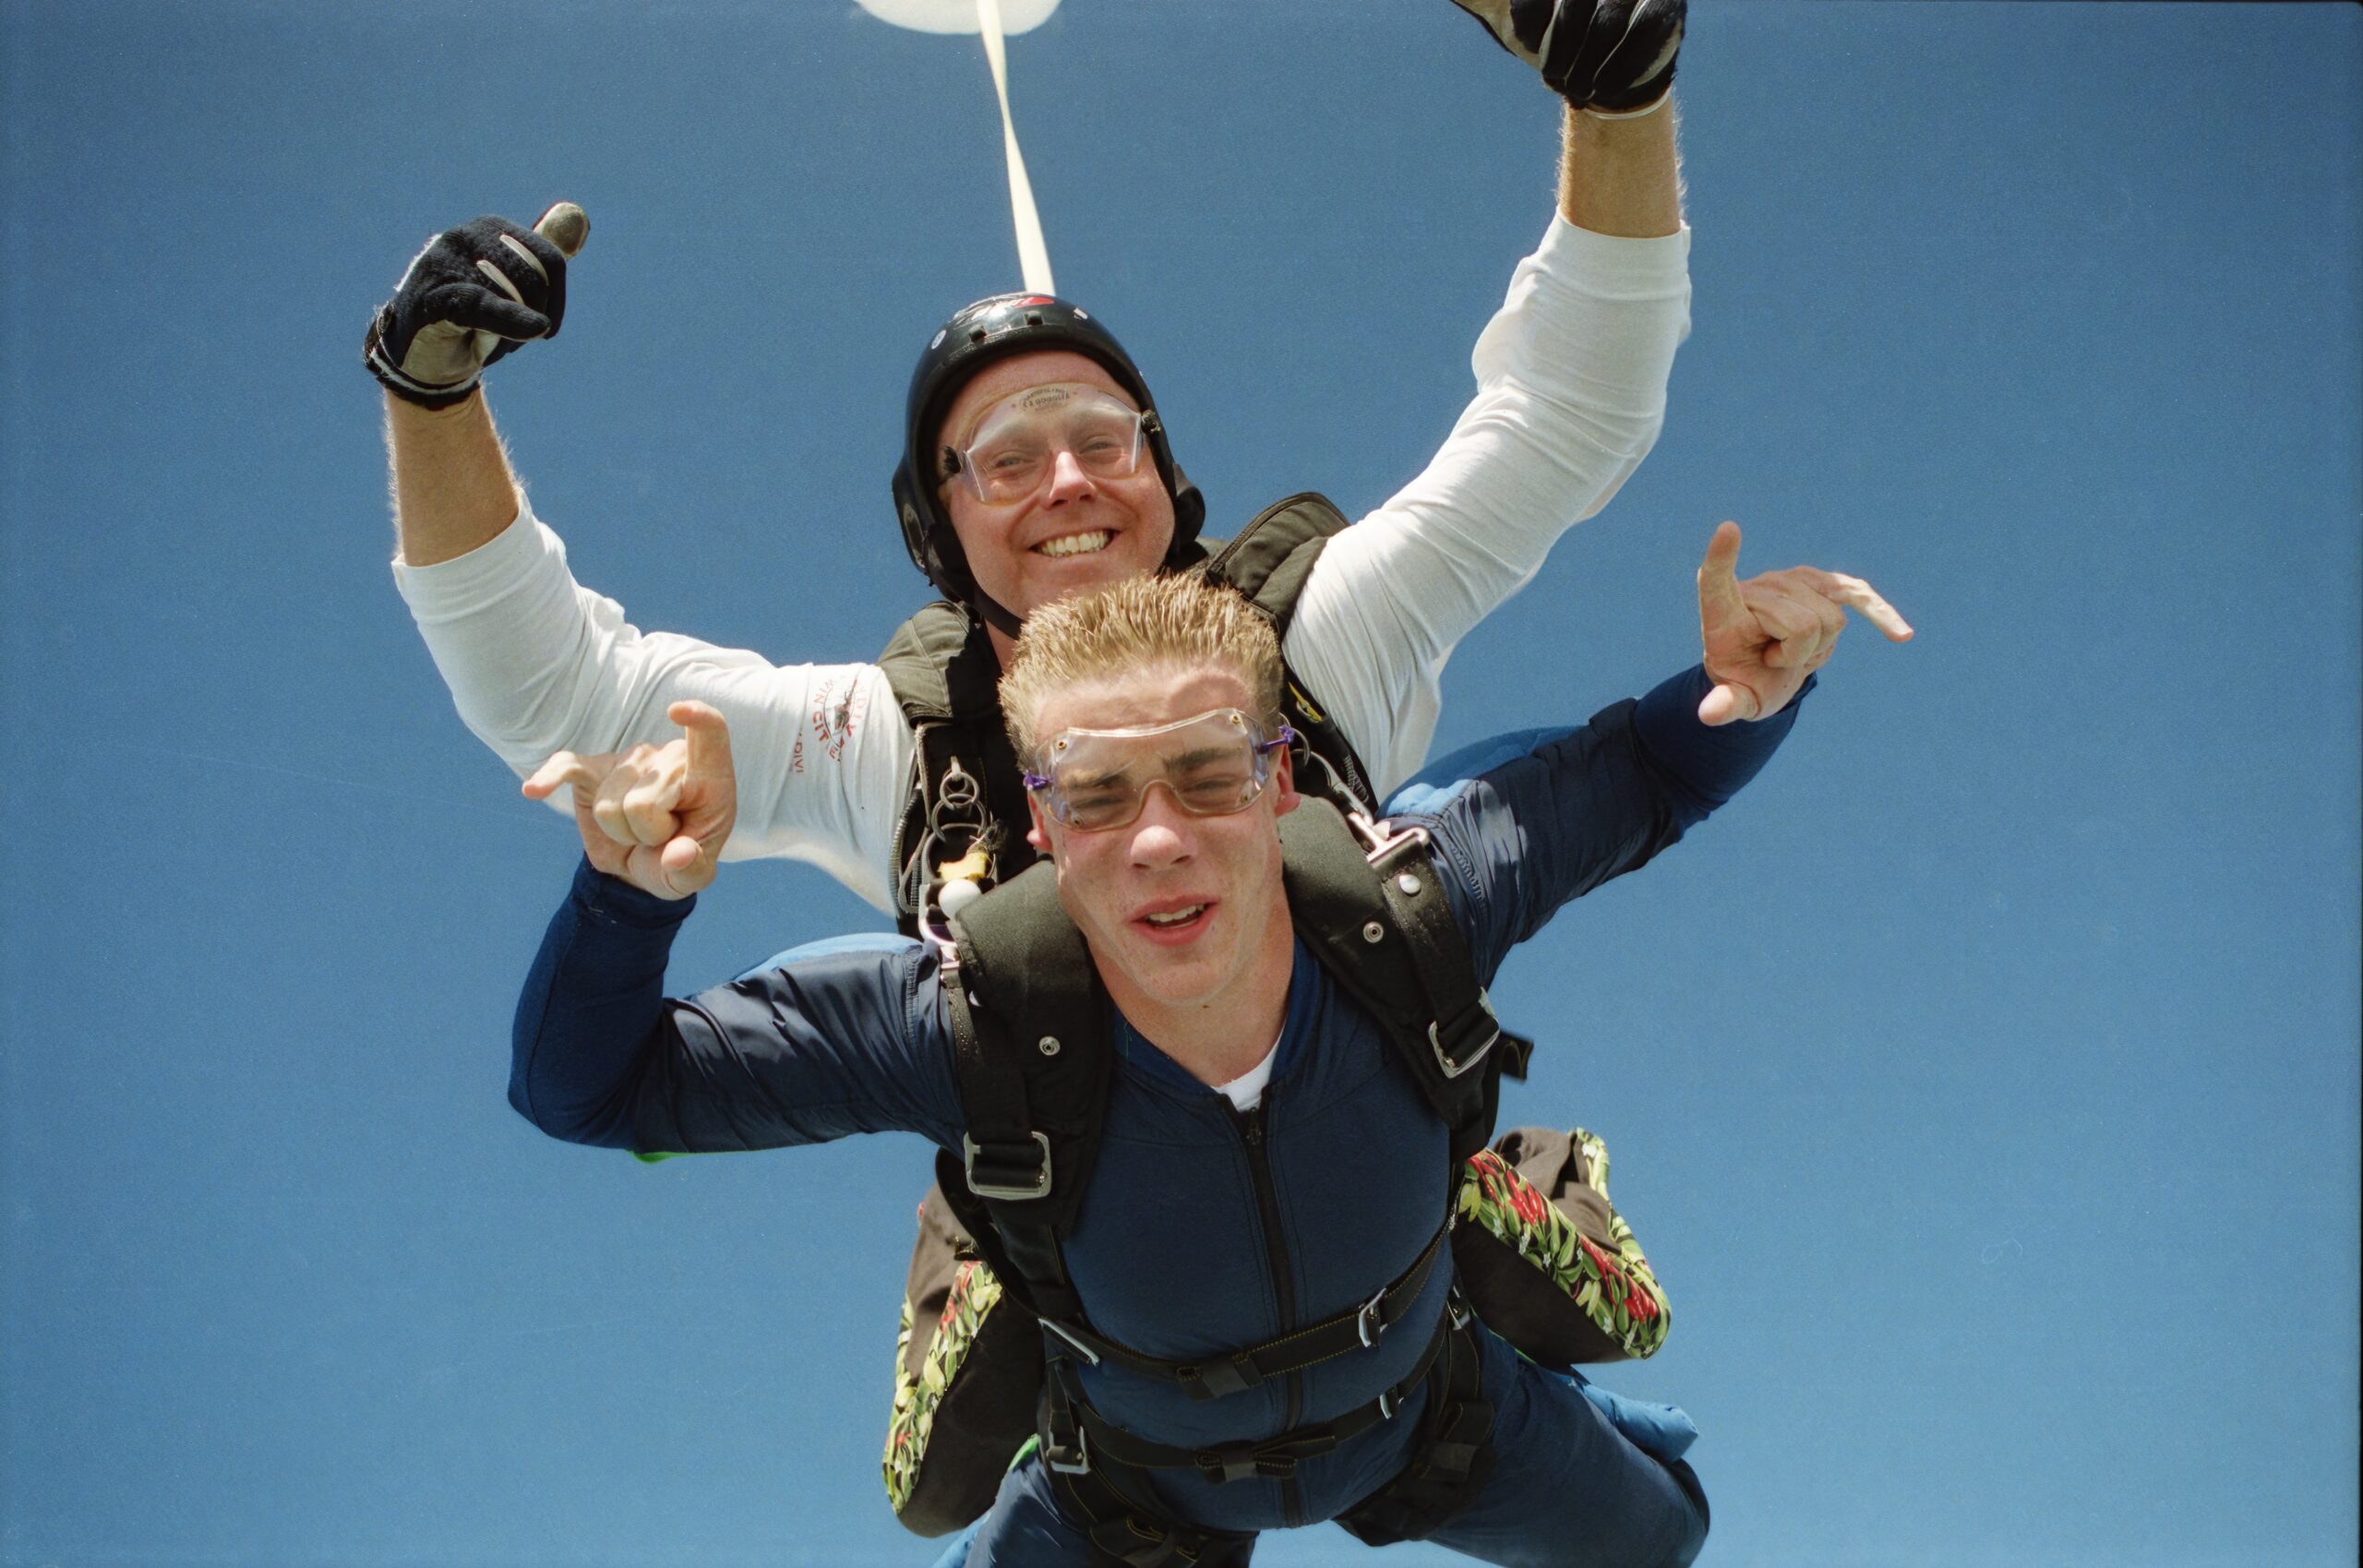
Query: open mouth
(1170, 923)
(1075, 544)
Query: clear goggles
(1018, 440)
(1214, 764)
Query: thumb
(1727, 703)
(566, 226)
(709, 736)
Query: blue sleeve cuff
(618, 903)
(1705, 765)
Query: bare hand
(1764, 636)
(656, 816)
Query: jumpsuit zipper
(1267, 1204)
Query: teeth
(1075, 544)
(1177, 916)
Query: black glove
(471, 296)
(1613, 55)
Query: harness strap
(1453, 1459)
(1356, 1329)
(1461, 1027)
(1005, 1156)
(1097, 1440)
(1138, 1535)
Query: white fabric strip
(1246, 1091)
(1033, 255)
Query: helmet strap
(995, 614)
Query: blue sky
(1984, 1084)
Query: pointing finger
(563, 768)
(1862, 596)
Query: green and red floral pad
(1617, 1291)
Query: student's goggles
(1214, 763)
(1020, 438)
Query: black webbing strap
(1019, 988)
(1461, 1026)
(1370, 903)
(1137, 1534)
(1005, 1156)
(1214, 1377)
(1453, 1458)
(1083, 1438)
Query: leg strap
(1096, 1441)
(1452, 1461)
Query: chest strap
(1358, 1328)
(1074, 1436)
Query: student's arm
(819, 1043)
(841, 1038)
(1527, 822)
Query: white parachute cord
(1033, 255)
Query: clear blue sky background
(1984, 1084)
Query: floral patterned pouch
(967, 1372)
(1544, 1257)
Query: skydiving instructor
(1571, 378)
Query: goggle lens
(1213, 764)
(1018, 441)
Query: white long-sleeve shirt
(1571, 379)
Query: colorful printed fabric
(1619, 1293)
(974, 1293)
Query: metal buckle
(1388, 1403)
(1453, 1067)
(1041, 1187)
(1370, 1324)
(1075, 1461)
(1382, 842)
(1064, 1333)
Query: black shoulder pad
(1269, 559)
(1380, 922)
(941, 665)
(1039, 1059)
(947, 682)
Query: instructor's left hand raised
(1764, 636)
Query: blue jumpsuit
(1173, 1252)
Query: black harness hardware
(1370, 1324)
(1216, 1377)
(1012, 1172)
(1068, 1459)
(1458, 1056)
(1272, 1459)
(964, 792)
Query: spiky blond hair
(1161, 623)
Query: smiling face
(1075, 531)
(1184, 915)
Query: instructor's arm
(453, 490)
(470, 298)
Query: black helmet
(977, 335)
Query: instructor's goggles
(1214, 764)
(1020, 438)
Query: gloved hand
(1611, 56)
(469, 297)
